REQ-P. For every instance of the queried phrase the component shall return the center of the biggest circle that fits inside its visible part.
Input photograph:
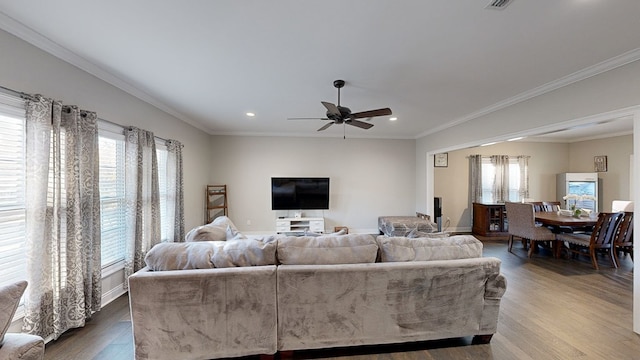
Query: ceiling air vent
(498, 4)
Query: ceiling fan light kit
(342, 115)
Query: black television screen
(299, 193)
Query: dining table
(552, 218)
(557, 222)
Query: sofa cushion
(432, 235)
(327, 249)
(211, 254)
(245, 252)
(180, 256)
(9, 299)
(393, 249)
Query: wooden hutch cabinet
(490, 220)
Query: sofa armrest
(496, 287)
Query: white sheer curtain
(143, 197)
(501, 180)
(523, 165)
(475, 174)
(63, 218)
(175, 190)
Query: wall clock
(441, 160)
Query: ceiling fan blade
(325, 126)
(331, 107)
(360, 124)
(371, 113)
(309, 118)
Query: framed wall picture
(441, 160)
(600, 163)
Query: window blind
(112, 197)
(12, 191)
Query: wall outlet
(248, 222)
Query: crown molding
(36, 39)
(610, 64)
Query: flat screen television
(299, 193)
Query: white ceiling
(434, 63)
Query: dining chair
(522, 224)
(623, 241)
(600, 240)
(537, 205)
(551, 205)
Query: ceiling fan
(343, 115)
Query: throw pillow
(327, 249)
(220, 229)
(9, 299)
(224, 221)
(207, 232)
(234, 234)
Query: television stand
(298, 226)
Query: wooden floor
(553, 309)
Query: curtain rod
(31, 97)
(17, 93)
(124, 127)
(528, 156)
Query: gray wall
(368, 178)
(28, 69)
(616, 181)
(547, 160)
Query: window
(12, 190)
(162, 156)
(112, 194)
(488, 177)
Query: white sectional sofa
(293, 293)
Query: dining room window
(491, 183)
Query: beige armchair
(522, 224)
(16, 346)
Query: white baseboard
(112, 294)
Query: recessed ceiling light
(250, 114)
(393, 118)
